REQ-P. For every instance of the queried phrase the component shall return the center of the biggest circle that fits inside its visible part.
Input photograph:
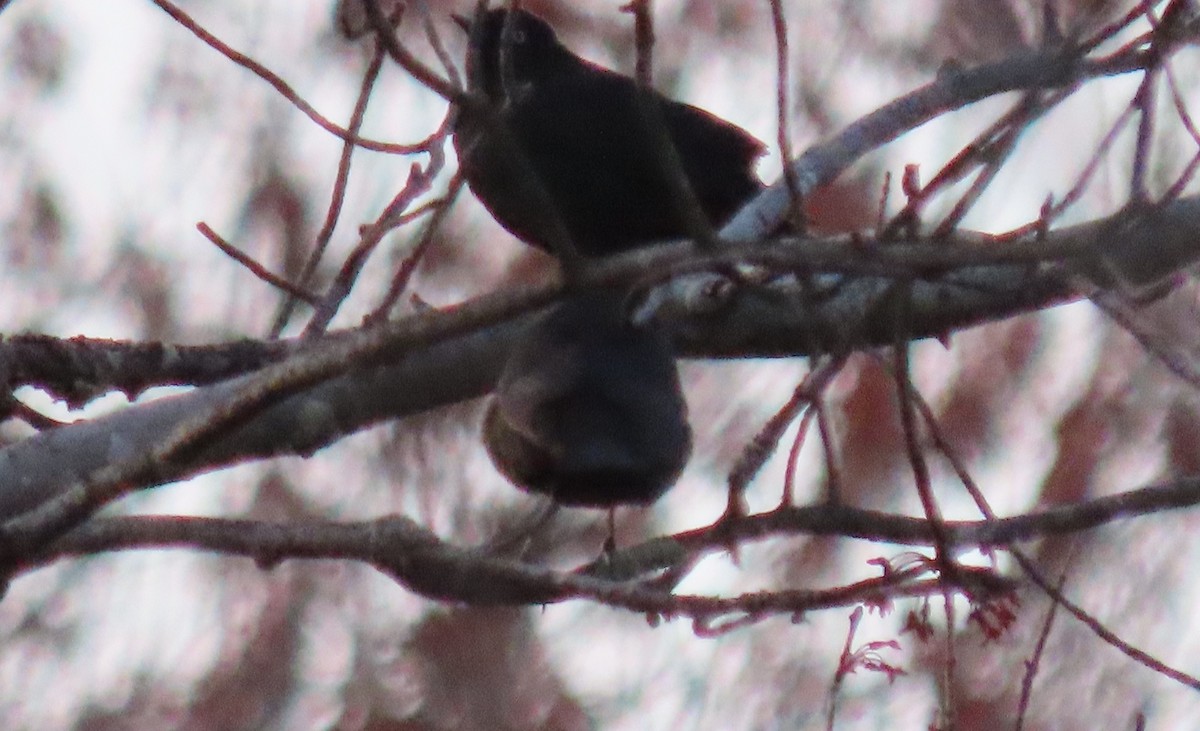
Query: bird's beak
(463, 22)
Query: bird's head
(507, 49)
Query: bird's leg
(610, 543)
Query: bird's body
(581, 130)
(588, 409)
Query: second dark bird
(580, 129)
(588, 409)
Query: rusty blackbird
(588, 409)
(579, 128)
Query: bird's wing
(699, 131)
(595, 117)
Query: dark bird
(588, 409)
(583, 135)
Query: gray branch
(833, 298)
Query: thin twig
(1075, 194)
(447, 89)
(833, 473)
(408, 267)
(418, 183)
(643, 41)
(1139, 656)
(943, 556)
(756, 452)
(1109, 506)
(683, 198)
(439, 48)
(787, 496)
(998, 151)
(782, 111)
(844, 667)
(284, 89)
(1144, 101)
(1039, 649)
(338, 194)
(258, 270)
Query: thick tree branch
(438, 358)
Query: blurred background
(120, 131)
